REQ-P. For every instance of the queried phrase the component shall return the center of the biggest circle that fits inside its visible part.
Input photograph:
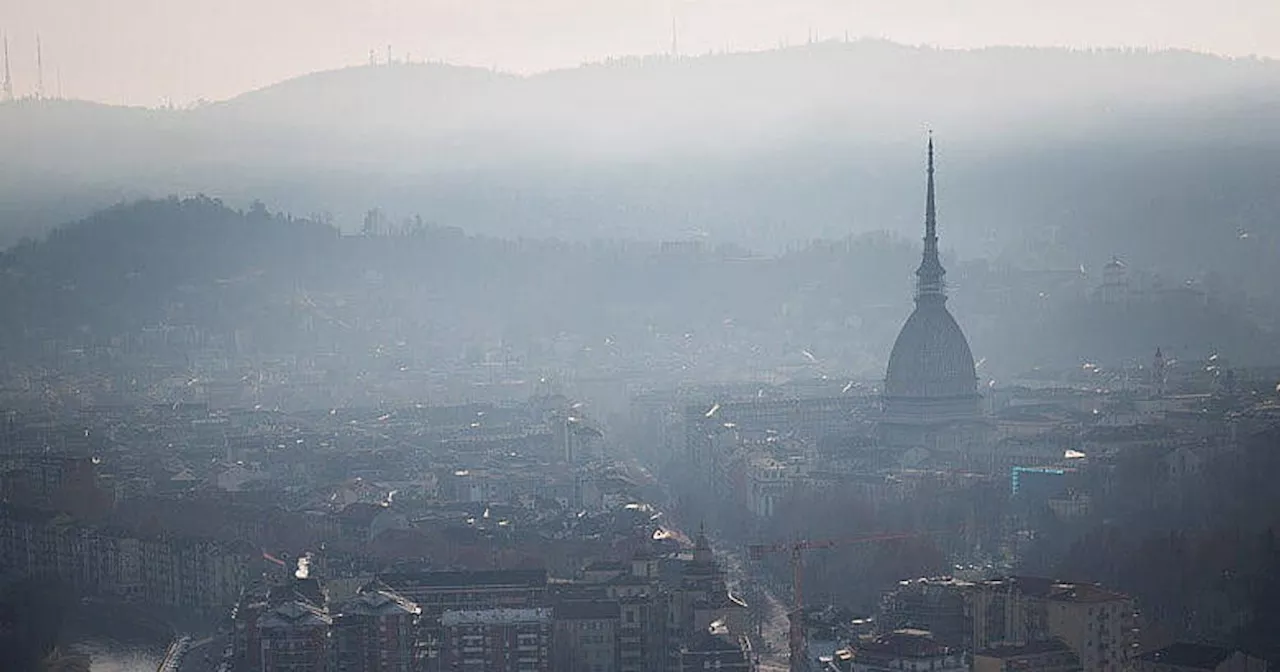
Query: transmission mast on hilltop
(7, 92)
(39, 68)
(675, 36)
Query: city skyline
(539, 367)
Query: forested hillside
(1051, 157)
(290, 286)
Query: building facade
(496, 640)
(907, 650)
(376, 631)
(587, 635)
(1098, 626)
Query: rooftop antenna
(8, 77)
(39, 68)
(388, 54)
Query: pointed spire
(930, 209)
(929, 283)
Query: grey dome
(931, 358)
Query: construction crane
(795, 639)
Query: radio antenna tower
(8, 77)
(39, 68)
(675, 37)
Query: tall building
(1098, 626)
(294, 629)
(655, 613)
(587, 636)
(496, 640)
(436, 592)
(931, 398)
(489, 593)
(375, 631)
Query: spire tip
(929, 275)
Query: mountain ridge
(759, 148)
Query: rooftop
(376, 599)
(462, 579)
(1058, 591)
(1183, 654)
(495, 616)
(295, 614)
(905, 643)
(587, 610)
(1029, 649)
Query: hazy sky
(143, 51)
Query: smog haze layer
(147, 52)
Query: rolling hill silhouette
(1165, 158)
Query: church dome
(931, 358)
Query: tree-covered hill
(272, 284)
(1165, 158)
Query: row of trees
(1205, 568)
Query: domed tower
(931, 395)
